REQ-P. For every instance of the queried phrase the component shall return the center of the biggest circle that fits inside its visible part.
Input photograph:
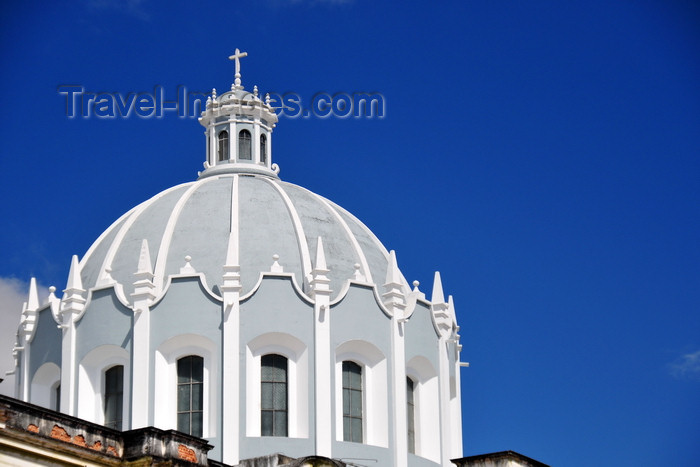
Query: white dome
(264, 215)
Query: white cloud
(686, 366)
(13, 292)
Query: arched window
(273, 395)
(244, 147)
(43, 386)
(352, 402)
(263, 149)
(190, 394)
(223, 146)
(411, 415)
(114, 397)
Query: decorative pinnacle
(236, 58)
(276, 266)
(74, 280)
(320, 256)
(33, 300)
(438, 294)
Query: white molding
(297, 381)
(427, 407)
(264, 275)
(375, 390)
(132, 215)
(356, 245)
(299, 229)
(162, 257)
(196, 275)
(90, 390)
(164, 397)
(42, 385)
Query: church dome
(252, 313)
(262, 215)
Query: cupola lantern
(239, 128)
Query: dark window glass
(244, 147)
(411, 414)
(352, 402)
(57, 397)
(263, 149)
(273, 395)
(114, 397)
(190, 395)
(223, 146)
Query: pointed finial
(74, 279)
(357, 275)
(213, 93)
(255, 91)
(415, 286)
(267, 99)
(393, 275)
(320, 256)
(187, 268)
(393, 297)
(33, 299)
(144, 259)
(438, 294)
(236, 57)
(320, 284)
(52, 295)
(276, 266)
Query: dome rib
(161, 258)
(236, 220)
(125, 228)
(358, 250)
(299, 229)
(232, 254)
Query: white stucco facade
(230, 268)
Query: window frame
(350, 388)
(223, 152)
(117, 423)
(298, 386)
(263, 148)
(411, 414)
(91, 381)
(274, 384)
(194, 384)
(244, 136)
(427, 407)
(376, 390)
(165, 381)
(43, 384)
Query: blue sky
(543, 155)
